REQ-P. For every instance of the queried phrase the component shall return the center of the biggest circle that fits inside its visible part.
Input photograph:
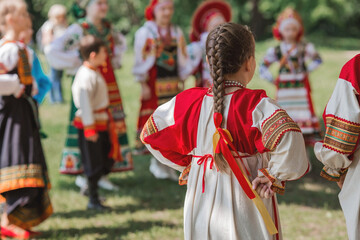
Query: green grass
(146, 208)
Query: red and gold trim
(277, 185)
(26, 217)
(183, 179)
(332, 175)
(149, 129)
(275, 127)
(22, 176)
(98, 126)
(341, 135)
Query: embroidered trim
(149, 129)
(23, 176)
(341, 135)
(328, 176)
(28, 217)
(183, 179)
(275, 127)
(277, 185)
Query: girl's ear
(248, 64)
(92, 55)
(207, 60)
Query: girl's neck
(11, 35)
(289, 41)
(97, 22)
(161, 24)
(90, 64)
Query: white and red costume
(296, 62)
(339, 151)
(180, 135)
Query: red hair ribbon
(222, 141)
(149, 10)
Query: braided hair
(228, 47)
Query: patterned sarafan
(275, 127)
(149, 128)
(341, 135)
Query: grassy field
(146, 208)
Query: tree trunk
(257, 20)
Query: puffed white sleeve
(283, 140)
(156, 133)
(270, 58)
(145, 54)
(195, 55)
(185, 67)
(63, 52)
(313, 56)
(342, 117)
(9, 56)
(119, 49)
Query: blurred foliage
(323, 17)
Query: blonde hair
(57, 10)
(7, 7)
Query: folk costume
(258, 136)
(339, 151)
(24, 181)
(91, 98)
(63, 53)
(293, 86)
(206, 13)
(160, 61)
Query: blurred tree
(323, 17)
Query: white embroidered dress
(179, 134)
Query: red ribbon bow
(223, 144)
(202, 160)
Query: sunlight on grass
(145, 208)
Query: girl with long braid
(235, 147)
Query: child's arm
(170, 139)
(342, 117)
(269, 59)
(145, 54)
(283, 140)
(185, 68)
(314, 57)
(63, 52)
(9, 83)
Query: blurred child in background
(92, 119)
(161, 66)
(53, 28)
(24, 180)
(207, 16)
(297, 59)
